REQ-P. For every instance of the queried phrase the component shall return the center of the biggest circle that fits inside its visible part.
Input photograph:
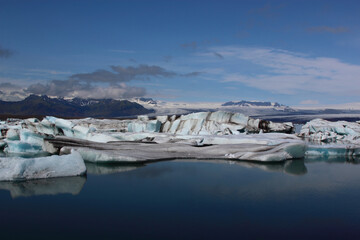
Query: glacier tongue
(19, 169)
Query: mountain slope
(77, 107)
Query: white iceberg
(19, 169)
(320, 130)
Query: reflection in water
(50, 186)
(223, 199)
(101, 169)
(333, 159)
(292, 167)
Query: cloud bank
(286, 72)
(105, 83)
(5, 53)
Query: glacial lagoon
(309, 198)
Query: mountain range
(35, 105)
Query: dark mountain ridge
(244, 103)
(77, 107)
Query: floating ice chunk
(325, 131)
(144, 152)
(18, 169)
(281, 127)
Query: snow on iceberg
(19, 169)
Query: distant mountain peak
(143, 100)
(244, 103)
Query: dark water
(311, 199)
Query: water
(301, 199)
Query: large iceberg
(214, 123)
(319, 130)
(147, 151)
(327, 138)
(20, 169)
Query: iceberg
(319, 130)
(20, 169)
(210, 123)
(147, 152)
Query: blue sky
(293, 52)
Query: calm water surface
(301, 199)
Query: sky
(298, 53)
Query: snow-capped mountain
(244, 103)
(246, 107)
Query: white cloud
(47, 72)
(288, 72)
(309, 102)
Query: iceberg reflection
(291, 167)
(333, 159)
(50, 186)
(101, 169)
